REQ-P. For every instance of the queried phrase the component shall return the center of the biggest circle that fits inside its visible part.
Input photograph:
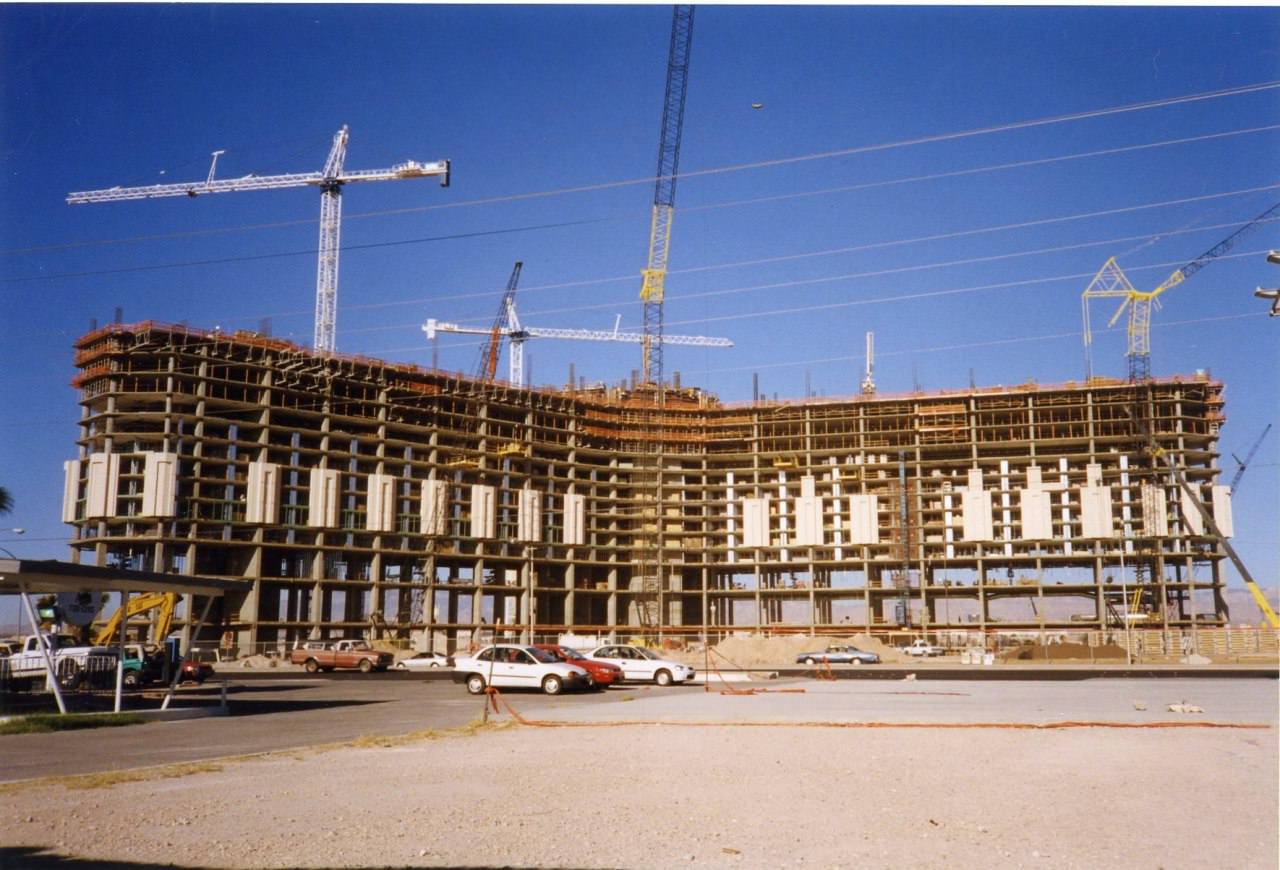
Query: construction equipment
(654, 276)
(508, 325)
(1244, 463)
(488, 367)
(166, 602)
(1111, 281)
(868, 379)
(330, 180)
(1210, 524)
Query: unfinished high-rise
(352, 495)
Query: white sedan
(516, 666)
(424, 661)
(640, 663)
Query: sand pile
(751, 651)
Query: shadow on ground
(36, 858)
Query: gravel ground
(760, 793)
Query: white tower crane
(509, 325)
(330, 180)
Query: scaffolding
(333, 487)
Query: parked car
(195, 672)
(922, 648)
(839, 655)
(641, 663)
(514, 666)
(424, 661)
(603, 674)
(327, 656)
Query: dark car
(839, 655)
(195, 672)
(602, 674)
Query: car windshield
(569, 655)
(646, 653)
(541, 654)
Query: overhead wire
(876, 273)
(781, 161)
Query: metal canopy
(50, 575)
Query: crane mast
(653, 284)
(487, 369)
(330, 181)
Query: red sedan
(602, 674)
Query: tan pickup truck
(329, 655)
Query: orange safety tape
(1015, 726)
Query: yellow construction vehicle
(167, 602)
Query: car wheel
(810, 661)
(132, 679)
(311, 666)
(857, 661)
(365, 666)
(475, 684)
(401, 666)
(662, 678)
(552, 685)
(435, 664)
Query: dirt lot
(776, 779)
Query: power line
(877, 273)
(942, 137)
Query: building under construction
(351, 496)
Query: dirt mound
(753, 651)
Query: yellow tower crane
(1111, 282)
(653, 285)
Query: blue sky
(848, 203)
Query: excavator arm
(166, 602)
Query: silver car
(839, 655)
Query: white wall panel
(1096, 520)
(864, 522)
(104, 481)
(380, 504)
(1222, 510)
(1192, 522)
(575, 519)
(262, 498)
(755, 522)
(1155, 512)
(1036, 513)
(483, 511)
(529, 516)
(975, 508)
(323, 499)
(434, 500)
(808, 521)
(70, 489)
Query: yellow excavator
(167, 602)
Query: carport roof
(50, 575)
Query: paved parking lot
(269, 713)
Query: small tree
(6, 501)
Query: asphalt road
(270, 711)
(267, 714)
